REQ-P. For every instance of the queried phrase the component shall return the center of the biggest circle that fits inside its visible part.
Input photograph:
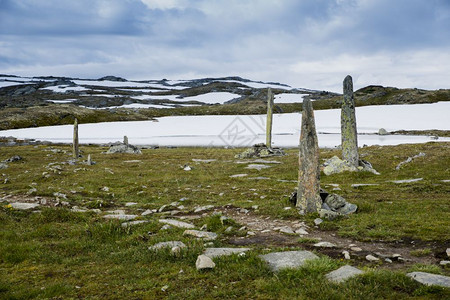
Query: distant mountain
(115, 92)
(49, 100)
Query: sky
(304, 43)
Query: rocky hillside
(39, 101)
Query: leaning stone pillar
(269, 118)
(76, 151)
(308, 194)
(349, 136)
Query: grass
(58, 253)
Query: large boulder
(336, 165)
(122, 148)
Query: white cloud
(166, 4)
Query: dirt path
(267, 234)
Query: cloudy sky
(304, 43)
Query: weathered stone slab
(217, 252)
(176, 223)
(238, 175)
(343, 273)
(287, 259)
(169, 244)
(430, 279)
(23, 205)
(308, 194)
(205, 235)
(269, 118)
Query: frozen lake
(241, 131)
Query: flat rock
(343, 273)
(448, 252)
(203, 208)
(23, 205)
(301, 231)
(204, 262)
(318, 221)
(430, 279)
(356, 185)
(176, 223)
(287, 259)
(325, 245)
(130, 204)
(120, 217)
(407, 180)
(203, 160)
(372, 258)
(217, 252)
(205, 235)
(238, 175)
(132, 223)
(259, 178)
(257, 167)
(170, 244)
(286, 229)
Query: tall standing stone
(125, 140)
(269, 118)
(349, 136)
(308, 195)
(76, 151)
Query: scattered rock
(166, 227)
(204, 160)
(430, 279)
(357, 185)
(258, 167)
(205, 235)
(448, 252)
(203, 208)
(170, 244)
(346, 254)
(318, 221)
(343, 273)
(356, 249)
(3, 165)
(127, 224)
(260, 151)
(444, 262)
(120, 217)
(13, 159)
(147, 212)
(286, 229)
(238, 175)
(301, 231)
(187, 168)
(217, 252)
(407, 180)
(325, 245)
(23, 205)
(336, 165)
(372, 258)
(130, 204)
(122, 148)
(382, 131)
(408, 160)
(176, 223)
(204, 262)
(287, 259)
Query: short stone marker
(217, 252)
(430, 279)
(169, 244)
(176, 223)
(205, 235)
(287, 259)
(204, 262)
(343, 273)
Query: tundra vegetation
(60, 253)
